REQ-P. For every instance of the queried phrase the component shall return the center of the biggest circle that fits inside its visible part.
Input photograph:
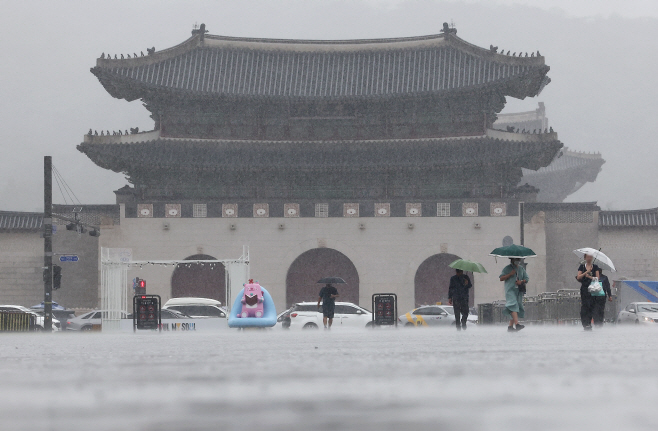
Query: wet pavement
(542, 378)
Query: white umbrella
(598, 256)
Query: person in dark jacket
(599, 301)
(458, 297)
(327, 296)
(586, 272)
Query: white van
(197, 307)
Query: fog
(602, 55)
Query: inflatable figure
(243, 303)
(252, 300)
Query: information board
(385, 309)
(146, 312)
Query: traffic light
(57, 277)
(140, 286)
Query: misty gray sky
(602, 54)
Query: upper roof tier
(210, 65)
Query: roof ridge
(20, 213)
(327, 41)
(196, 41)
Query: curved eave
(520, 85)
(529, 84)
(586, 171)
(214, 155)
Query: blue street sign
(70, 258)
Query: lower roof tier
(167, 154)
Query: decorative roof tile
(12, 221)
(637, 218)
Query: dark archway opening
(311, 266)
(432, 280)
(199, 280)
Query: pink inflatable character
(252, 301)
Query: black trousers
(599, 309)
(461, 311)
(587, 309)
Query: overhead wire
(68, 188)
(60, 190)
(60, 183)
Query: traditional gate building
(374, 160)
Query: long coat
(513, 298)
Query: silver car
(88, 321)
(639, 313)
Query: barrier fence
(17, 321)
(550, 308)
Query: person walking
(599, 301)
(458, 297)
(328, 295)
(515, 277)
(587, 271)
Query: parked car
(283, 319)
(639, 312)
(432, 315)
(197, 307)
(39, 319)
(305, 315)
(86, 322)
(62, 315)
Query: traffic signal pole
(48, 243)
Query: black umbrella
(332, 280)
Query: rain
(328, 215)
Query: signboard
(69, 258)
(146, 312)
(385, 309)
(122, 255)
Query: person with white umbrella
(593, 302)
(587, 272)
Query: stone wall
(21, 269)
(385, 250)
(566, 227)
(21, 262)
(634, 252)
(79, 279)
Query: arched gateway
(433, 279)
(311, 266)
(197, 280)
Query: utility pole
(48, 243)
(522, 221)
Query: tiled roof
(365, 155)
(11, 221)
(562, 206)
(590, 164)
(637, 218)
(94, 215)
(228, 66)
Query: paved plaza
(543, 378)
